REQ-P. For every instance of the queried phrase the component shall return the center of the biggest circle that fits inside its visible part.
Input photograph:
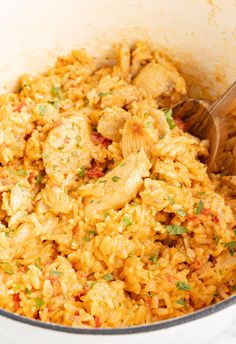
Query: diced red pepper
(95, 171)
(206, 211)
(20, 106)
(16, 299)
(31, 177)
(215, 219)
(99, 139)
(97, 321)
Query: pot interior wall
(197, 34)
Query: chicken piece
(67, 148)
(111, 122)
(56, 199)
(159, 80)
(19, 199)
(143, 132)
(119, 185)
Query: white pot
(198, 34)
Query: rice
(108, 217)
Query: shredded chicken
(111, 122)
(68, 147)
(119, 185)
(159, 80)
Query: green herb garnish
(56, 273)
(42, 110)
(126, 221)
(234, 287)
(115, 179)
(22, 173)
(153, 258)
(108, 277)
(183, 286)
(235, 231)
(148, 125)
(56, 91)
(39, 303)
(181, 212)
(176, 229)
(104, 94)
(169, 118)
(199, 208)
(81, 172)
(27, 291)
(37, 262)
(182, 302)
(171, 199)
(38, 179)
(231, 246)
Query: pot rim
(164, 324)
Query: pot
(198, 35)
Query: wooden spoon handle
(226, 103)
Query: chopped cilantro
(183, 286)
(86, 238)
(148, 125)
(122, 164)
(176, 229)
(27, 291)
(56, 273)
(153, 258)
(18, 286)
(216, 239)
(169, 118)
(234, 287)
(182, 302)
(199, 208)
(102, 181)
(38, 179)
(22, 173)
(202, 193)
(75, 154)
(39, 303)
(126, 221)
(108, 277)
(93, 284)
(181, 212)
(56, 91)
(104, 94)
(42, 110)
(171, 199)
(81, 172)
(231, 246)
(8, 270)
(37, 262)
(115, 179)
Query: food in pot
(108, 216)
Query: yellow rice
(108, 217)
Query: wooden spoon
(208, 121)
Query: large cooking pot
(200, 37)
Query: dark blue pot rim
(125, 330)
